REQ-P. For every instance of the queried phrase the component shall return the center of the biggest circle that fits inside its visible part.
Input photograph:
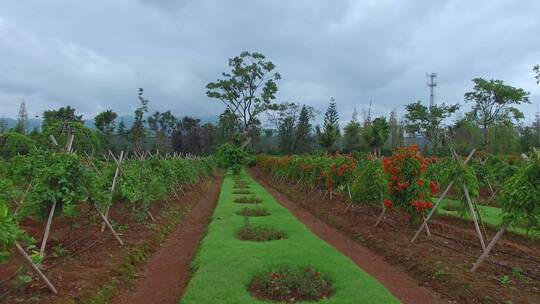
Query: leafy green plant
(505, 280)
(520, 196)
(229, 156)
(59, 178)
(370, 184)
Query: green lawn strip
(225, 265)
(491, 216)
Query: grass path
(225, 265)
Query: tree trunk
(485, 132)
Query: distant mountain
(32, 123)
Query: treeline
(495, 124)
(158, 131)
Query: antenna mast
(431, 84)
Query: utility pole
(431, 84)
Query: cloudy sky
(93, 55)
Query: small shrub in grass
(290, 285)
(248, 200)
(259, 233)
(241, 191)
(257, 211)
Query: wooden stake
(324, 196)
(70, 143)
(47, 229)
(115, 179)
(35, 268)
(380, 216)
(432, 211)
(473, 213)
(53, 139)
(151, 216)
(489, 247)
(427, 226)
(104, 218)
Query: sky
(94, 55)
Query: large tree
(396, 131)
(248, 89)
(208, 138)
(376, 134)
(492, 100)
(284, 118)
(330, 132)
(303, 132)
(187, 136)
(536, 69)
(428, 120)
(465, 134)
(138, 129)
(22, 119)
(64, 115)
(162, 126)
(105, 124)
(227, 127)
(352, 137)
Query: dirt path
(164, 278)
(400, 284)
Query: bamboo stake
(473, 212)
(151, 216)
(427, 226)
(47, 229)
(70, 143)
(115, 179)
(35, 268)
(104, 218)
(489, 247)
(432, 211)
(380, 216)
(53, 139)
(325, 193)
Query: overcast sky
(93, 55)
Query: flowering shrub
(331, 172)
(408, 186)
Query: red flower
(388, 204)
(434, 187)
(420, 182)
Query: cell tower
(431, 84)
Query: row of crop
(47, 184)
(409, 182)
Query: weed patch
(260, 233)
(257, 211)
